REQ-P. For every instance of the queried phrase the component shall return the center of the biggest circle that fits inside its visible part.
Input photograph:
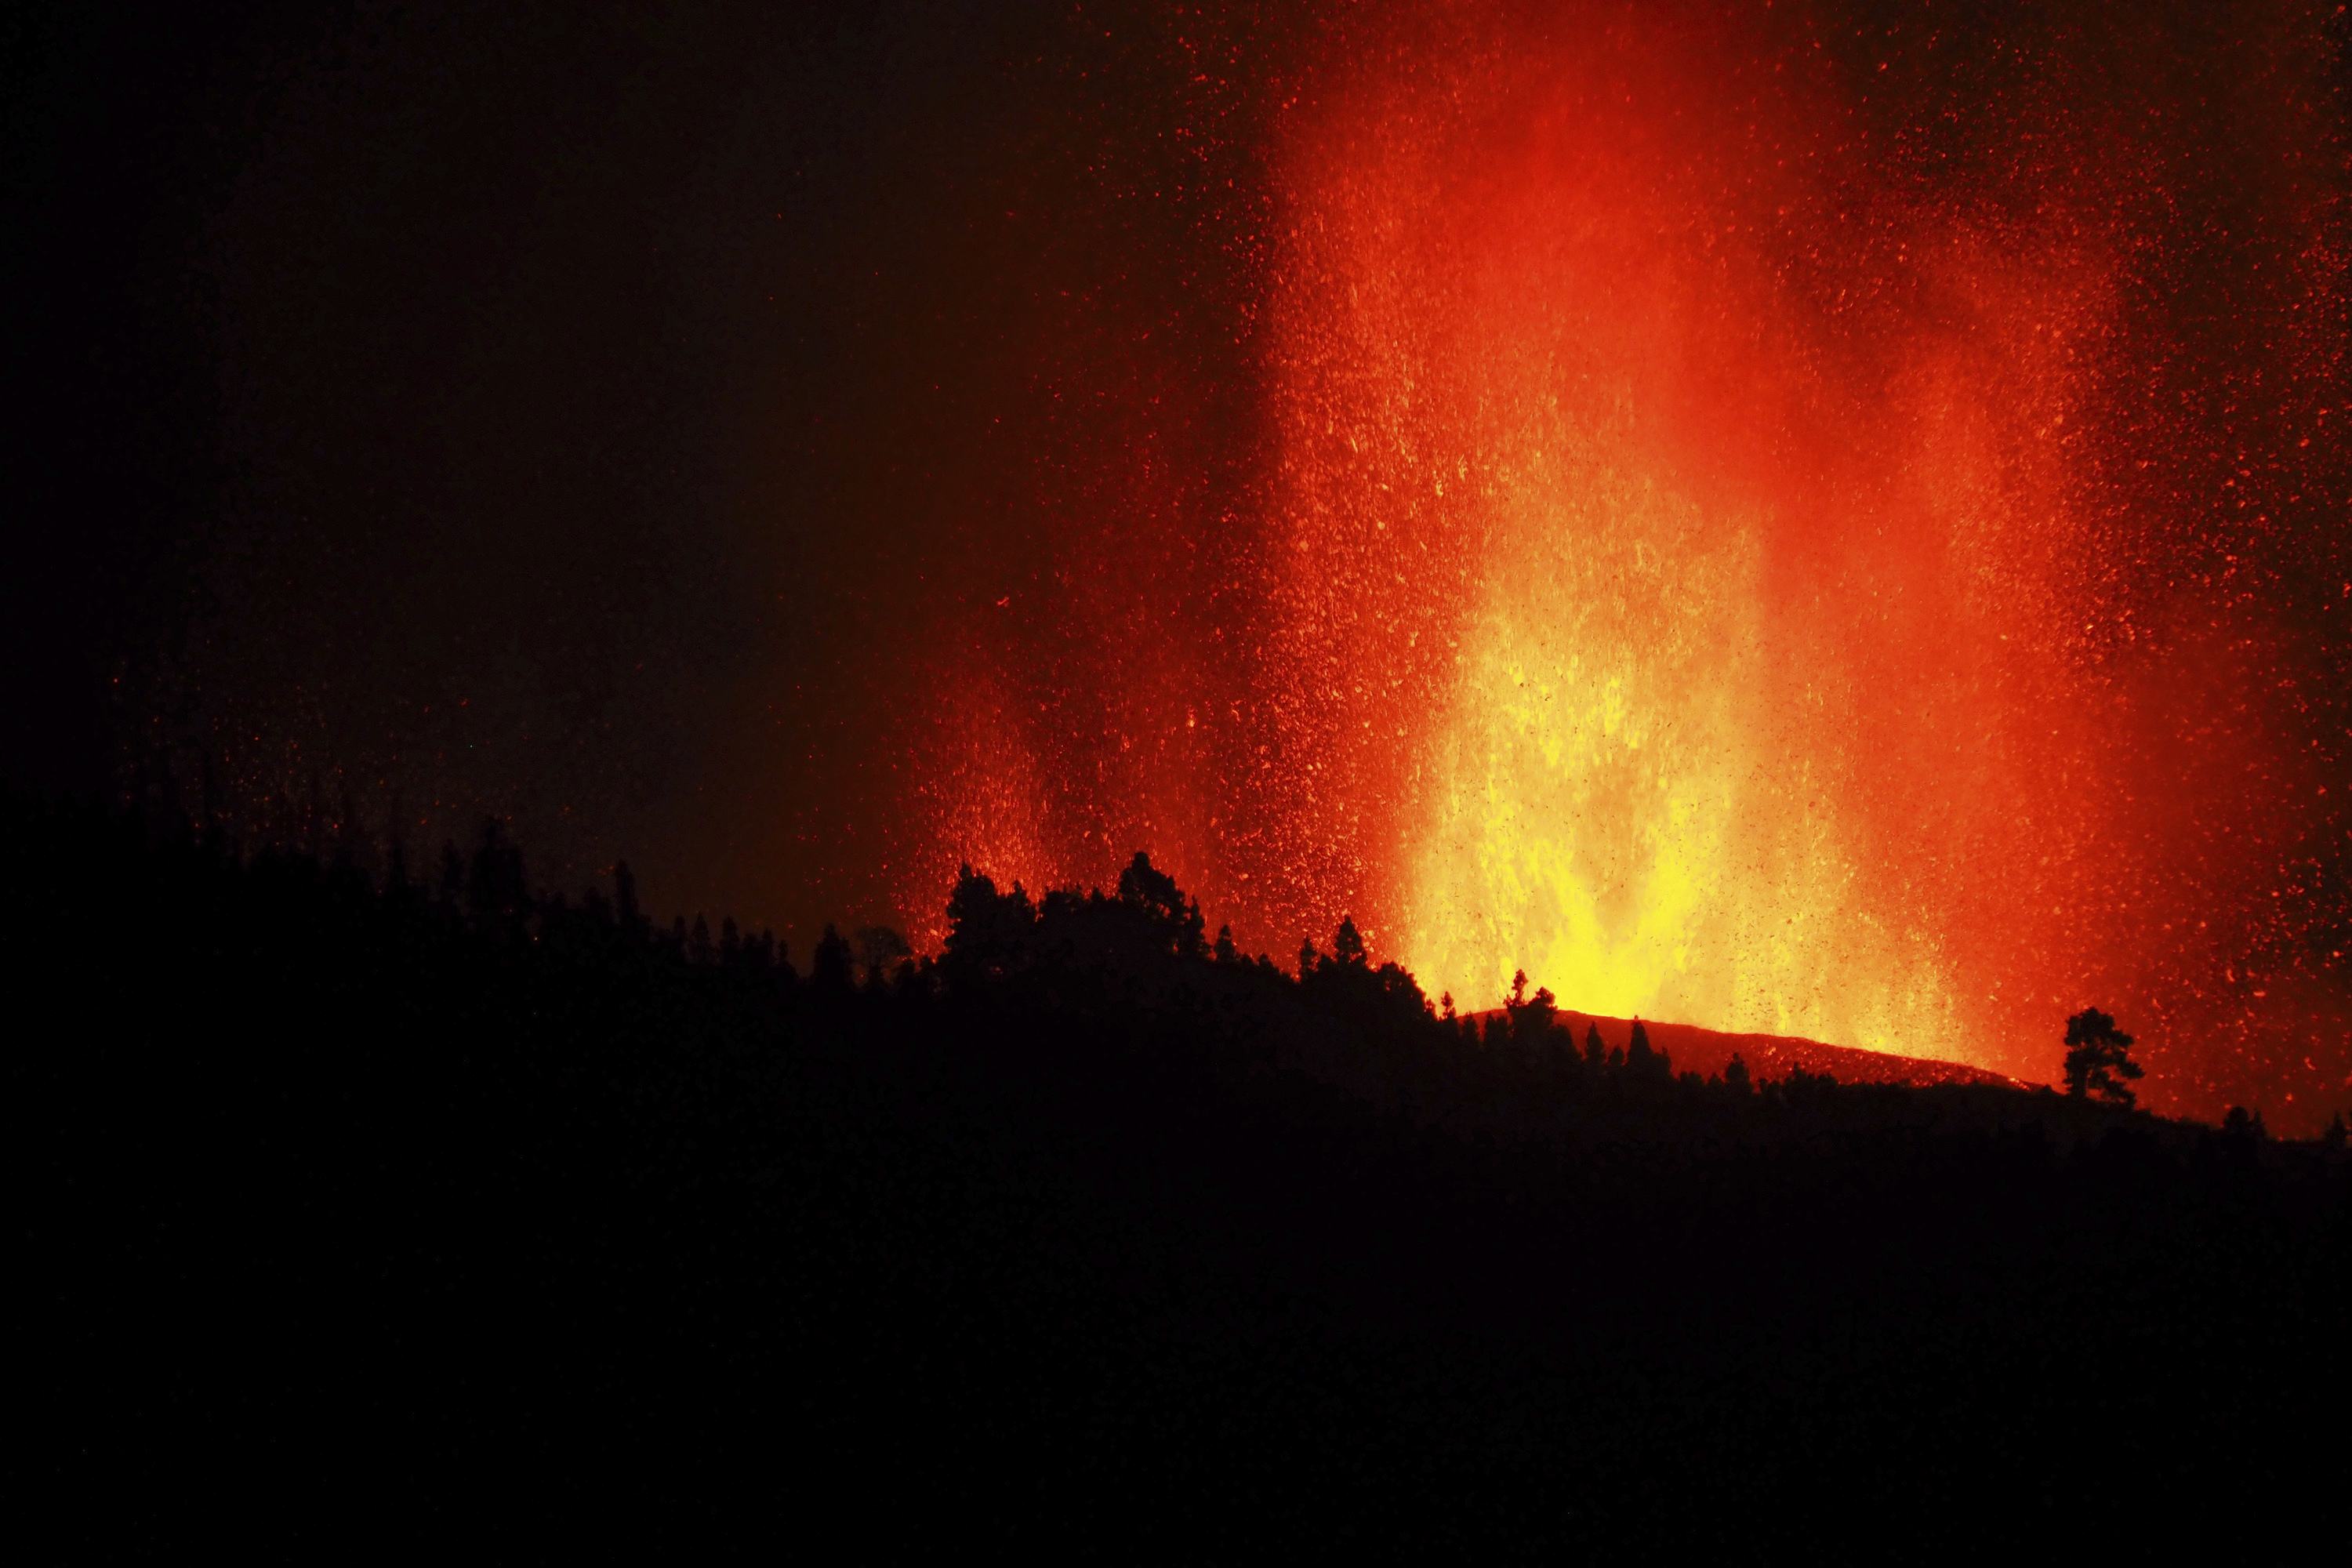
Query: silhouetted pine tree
(2098, 1057)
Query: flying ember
(1758, 541)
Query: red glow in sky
(1745, 556)
(1824, 519)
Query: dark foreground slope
(347, 1221)
(1709, 1051)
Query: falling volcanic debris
(1822, 520)
(1808, 521)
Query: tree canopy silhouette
(1080, 1196)
(2099, 1058)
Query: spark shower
(1757, 558)
(1815, 518)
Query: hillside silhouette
(418, 1207)
(1708, 1052)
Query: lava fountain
(1811, 516)
(1789, 526)
(1716, 529)
(1709, 511)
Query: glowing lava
(1779, 537)
(1742, 491)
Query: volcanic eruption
(1820, 519)
(1806, 523)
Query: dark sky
(571, 412)
(783, 444)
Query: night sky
(799, 449)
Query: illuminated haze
(1819, 520)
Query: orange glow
(1747, 557)
(1667, 507)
